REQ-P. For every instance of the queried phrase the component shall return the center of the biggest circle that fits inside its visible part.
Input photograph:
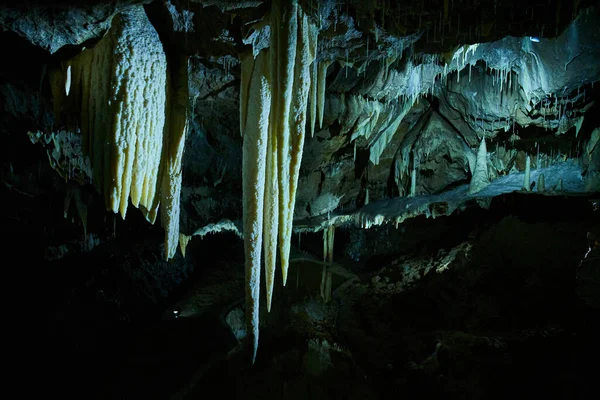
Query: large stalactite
(275, 91)
(132, 115)
(255, 123)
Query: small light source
(534, 39)
(176, 313)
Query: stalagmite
(526, 178)
(257, 103)
(559, 185)
(541, 185)
(480, 177)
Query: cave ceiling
(427, 78)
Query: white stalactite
(271, 214)
(526, 178)
(133, 129)
(313, 92)
(173, 144)
(68, 81)
(274, 96)
(413, 182)
(257, 104)
(321, 78)
(305, 55)
(285, 35)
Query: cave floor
(493, 315)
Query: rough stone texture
(225, 5)
(52, 27)
(213, 155)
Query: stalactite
(257, 103)
(328, 241)
(322, 77)
(183, 242)
(272, 192)
(413, 182)
(172, 155)
(526, 178)
(286, 37)
(271, 208)
(305, 55)
(132, 126)
(313, 95)
(68, 81)
(325, 244)
(274, 101)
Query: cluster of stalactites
(276, 84)
(132, 118)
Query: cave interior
(301, 199)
